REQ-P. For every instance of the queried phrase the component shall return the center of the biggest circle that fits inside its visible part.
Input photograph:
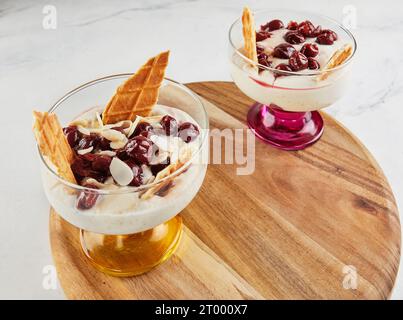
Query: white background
(98, 38)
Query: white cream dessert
(118, 160)
(300, 48)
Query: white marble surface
(96, 38)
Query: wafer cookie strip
(336, 59)
(184, 157)
(138, 95)
(249, 34)
(53, 144)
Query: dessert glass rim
(294, 73)
(145, 186)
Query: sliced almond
(100, 123)
(109, 153)
(84, 130)
(118, 144)
(133, 126)
(85, 151)
(121, 172)
(79, 123)
(335, 60)
(112, 135)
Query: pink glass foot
(283, 129)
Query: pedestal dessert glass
(123, 235)
(285, 113)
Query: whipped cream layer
(126, 212)
(296, 93)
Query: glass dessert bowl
(302, 65)
(127, 230)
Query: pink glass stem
(283, 129)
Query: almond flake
(85, 151)
(112, 135)
(121, 172)
(118, 144)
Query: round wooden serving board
(296, 228)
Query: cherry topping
(137, 173)
(263, 59)
(317, 31)
(87, 198)
(142, 126)
(327, 37)
(72, 135)
(188, 132)
(141, 149)
(313, 64)
(259, 49)
(292, 25)
(82, 167)
(103, 143)
(298, 61)
(310, 50)
(330, 33)
(282, 67)
(101, 163)
(294, 37)
(272, 25)
(306, 28)
(262, 35)
(283, 51)
(161, 166)
(122, 154)
(169, 125)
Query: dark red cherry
(327, 37)
(313, 64)
(263, 59)
(140, 149)
(294, 37)
(101, 163)
(161, 166)
(137, 173)
(292, 25)
(170, 125)
(188, 132)
(122, 154)
(273, 25)
(80, 167)
(324, 39)
(72, 135)
(310, 50)
(317, 31)
(142, 126)
(282, 67)
(283, 51)
(262, 35)
(259, 49)
(298, 61)
(103, 144)
(306, 28)
(86, 199)
(331, 34)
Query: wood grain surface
(288, 231)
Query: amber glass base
(133, 254)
